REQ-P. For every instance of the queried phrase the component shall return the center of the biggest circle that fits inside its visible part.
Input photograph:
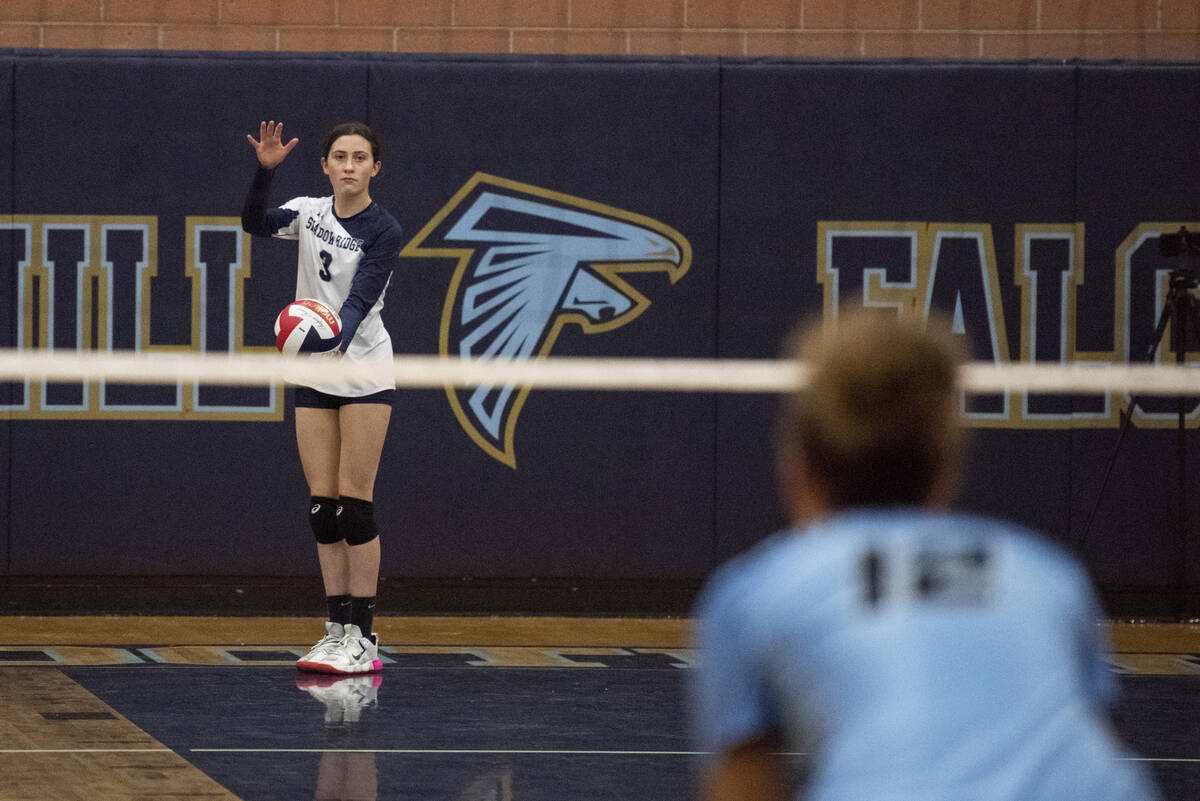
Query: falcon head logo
(530, 262)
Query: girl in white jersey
(348, 248)
(911, 653)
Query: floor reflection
(344, 775)
(488, 734)
(345, 697)
(347, 773)
(347, 776)
(491, 786)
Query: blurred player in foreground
(348, 248)
(910, 653)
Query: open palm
(269, 146)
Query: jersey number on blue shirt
(951, 578)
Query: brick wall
(987, 29)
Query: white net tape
(665, 375)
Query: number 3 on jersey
(326, 260)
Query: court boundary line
(444, 752)
(452, 751)
(544, 752)
(162, 750)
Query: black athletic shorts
(309, 398)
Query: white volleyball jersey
(346, 264)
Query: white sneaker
(353, 653)
(312, 660)
(344, 697)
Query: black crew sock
(362, 614)
(340, 607)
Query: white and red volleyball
(307, 326)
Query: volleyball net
(568, 373)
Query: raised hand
(269, 146)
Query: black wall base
(305, 595)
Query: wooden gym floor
(466, 709)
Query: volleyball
(307, 326)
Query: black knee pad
(322, 516)
(356, 520)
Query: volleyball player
(910, 652)
(348, 247)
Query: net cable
(565, 372)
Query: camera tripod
(1181, 310)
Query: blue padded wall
(1027, 199)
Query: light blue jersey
(915, 656)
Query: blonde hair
(877, 424)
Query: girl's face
(350, 165)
